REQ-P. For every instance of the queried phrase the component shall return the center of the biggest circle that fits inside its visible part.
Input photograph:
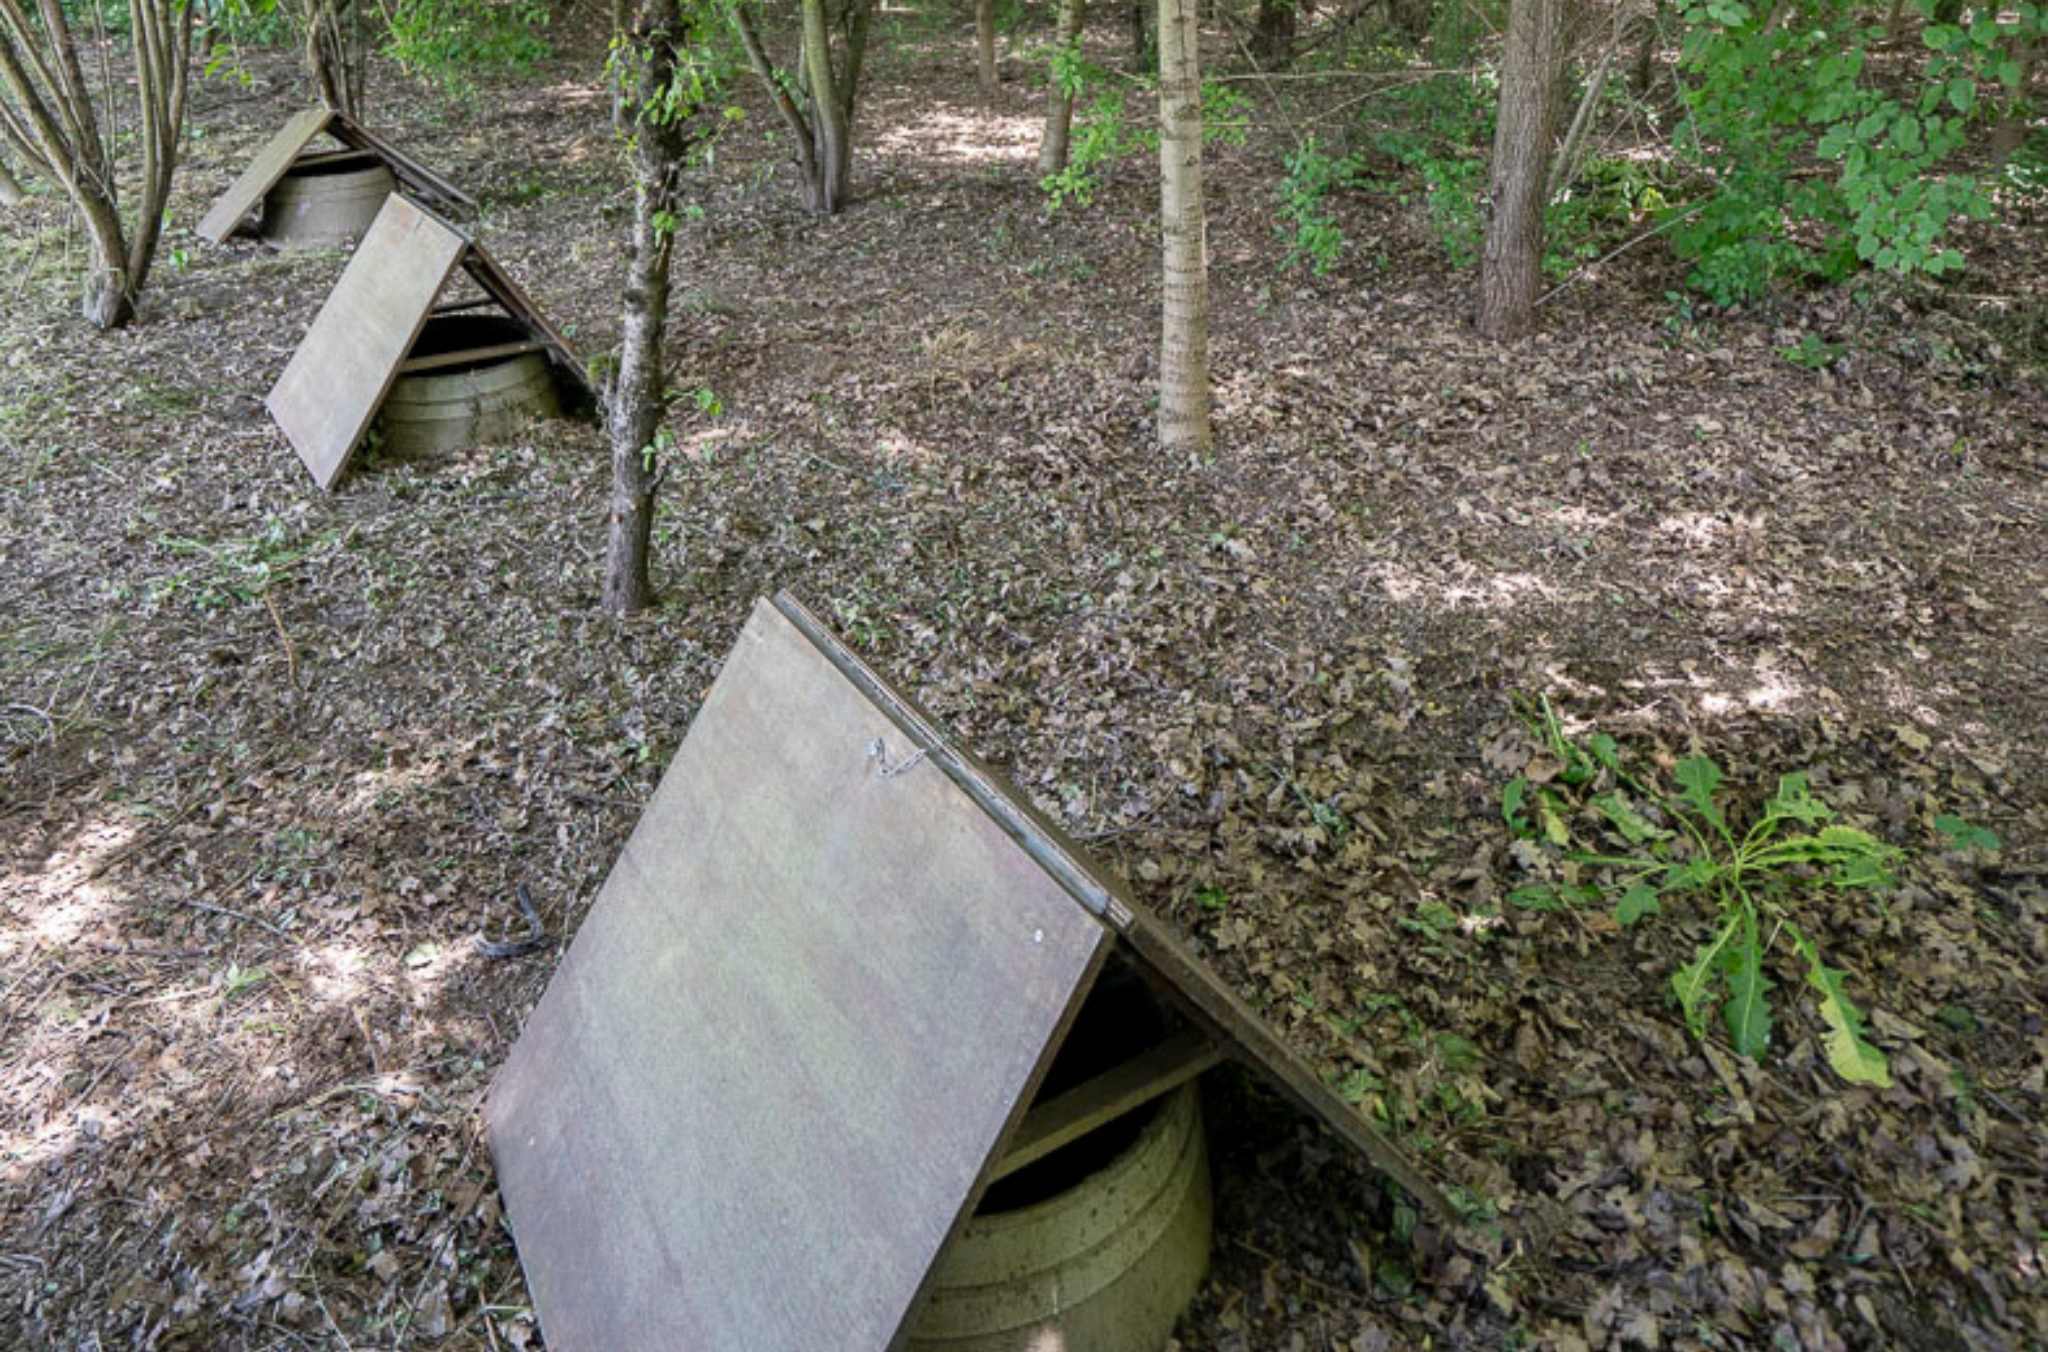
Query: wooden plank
(342, 370)
(497, 283)
(805, 1011)
(1108, 1096)
(423, 181)
(243, 196)
(458, 306)
(1204, 998)
(414, 365)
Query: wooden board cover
(262, 174)
(341, 372)
(1173, 968)
(801, 1019)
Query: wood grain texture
(262, 175)
(803, 1015)
(1102, 1100)
(571, 380)
(342, 370)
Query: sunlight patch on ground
(64, 902)
(962, 138)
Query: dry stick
(1652, 233)
(291, 655)
(232, 914)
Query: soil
(271, 760)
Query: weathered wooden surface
(1177, 972)
(570, 377)
(1097, 1102)
(262, 174)
(805, 1011)
(342, 370)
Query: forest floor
(271, 759)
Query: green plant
(1658, 844)
(1312, 233)
(446, 41)
(1812, 352)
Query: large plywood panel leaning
(795, 1035)
(342, 370)
(802, 1014)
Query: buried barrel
(325, 203)
(479, 397)
(1097, 1247)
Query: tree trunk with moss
(1059, 98)
(50, 117)
(1184, 241)
(658, 135)
(1510, 266)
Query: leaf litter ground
(273, 759)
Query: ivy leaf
(1698, 777)
(1637, 902)
(1748, 1011)
(1852, 1056)
(1694, 982)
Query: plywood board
(570, 377)
(341, 372)
(1152, 946)
(262, 175)
(804, 1014)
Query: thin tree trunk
(829, 123)
(2011, 132)
(1184, 251)
(1646, 52)
(1273, 34)
(1059, 98)
(1141, 35)
(985, 45)
(1510, 268)
(1564, 166)
(12, 194)
(636, 402)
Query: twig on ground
(291, 654)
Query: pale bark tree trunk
(1510, 266)
(1184, 252)
(659, 139)
(985, 46)
(49, 116)
(821, 129)
(12, 194)
(1059, 100)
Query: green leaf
(1634, 827)
(1962, 835)
(1694, 982)
(1511, 799)
(1553, 822)
(1747, 1011)
(1962, 95)
(1795, 799)
(1605, 750)
(1852, 1056)
(1637, 902)
(1698, 777)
